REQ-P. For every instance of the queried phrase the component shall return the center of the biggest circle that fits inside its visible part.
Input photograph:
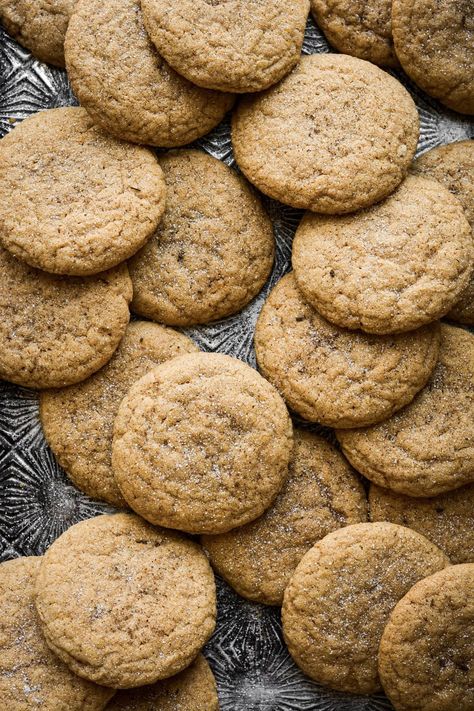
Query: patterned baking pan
(37, 503)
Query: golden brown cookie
(447, 520)
(341, 595)
(202, 444)
(393, 267)
(123, 603)
(322, 493)
(357, 27)
(38, 25)
(336, 135)
(333, 376)
(236, 45)
(78, 421)
(428, 447)
(426, 656)
(31, 676)
(75, 200)
(194, 689)
(126, 87)
(57, 330)
(433, 41)
(453, 165)
(213, 250)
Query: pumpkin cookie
(57, 330)
(202, 444)
(426, 656)
(231, 46)
(126, 87)
(341, 595)
(428, 447)
(78, 421)
(322, 493)
(447, 520)
(75, 200)
(433, 41)
(31, 676)
(336, 135)
(125, 604)
(213, 250)
(391, 268)
(333, 376)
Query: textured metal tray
(37, 503)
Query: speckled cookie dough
(426, 657)
(341, 595)
(56, 330)
(78, 421)
(322, 493)
(127, 88)
(391, 268)
(123, 603)
(202, 444)
(333, 376)
(212, 252)
(336, 135)
(428, 447)
(75, 200)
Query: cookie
(453, 165)
(38, 26)
(426, 657)
(127, 88)
(201, 444)
(447, 520)
(362, 29)
(78, 421)
(57, 330)
(341, 595)
(230, 46)
(428, 447)
(31, 676)
(213, 250)
(125, 604)
(393, 267)
(336, 135)
(194, 689)
(333, 376)
(322, 493)
(433, 41)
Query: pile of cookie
(375, 592)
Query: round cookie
(75, 200)
(38, 25)
(453, 165)
(393, 267)
(202, 444)
(336, 135)
(341, 595)
(213, 250)
(126, 87)
(447, 520)
(362, 29)
(433, 41)
(426, 656)
(78, 421)
(322, 493)
(31, 676)
(57, 330)
(125, 604)
(194, 689)
(236, 45)
(333, 376)
(428, 447)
